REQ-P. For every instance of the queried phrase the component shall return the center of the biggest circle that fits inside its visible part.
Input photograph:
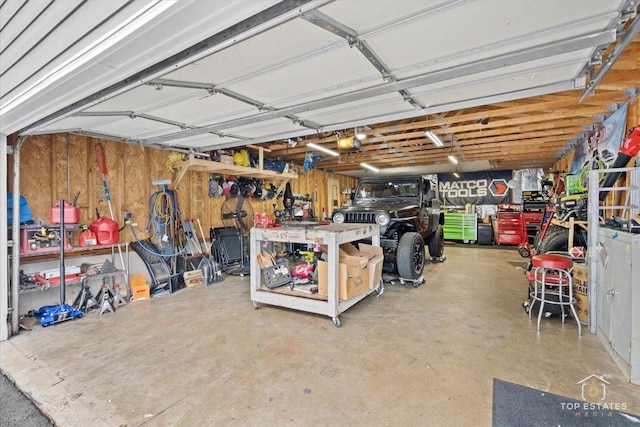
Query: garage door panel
(283, 43)
(270, 127)
(43, 44)
(506, 29)
(359, 110)
(205, 109)
(515, 78)
(319, 77)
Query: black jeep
(408, 213)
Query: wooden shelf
(201, 165)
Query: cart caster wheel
(402, 281)
(380, 289)
(336, 321)
(524, 252)
(255, 305)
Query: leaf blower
(629, 148)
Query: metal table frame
(332, 235)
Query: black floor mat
(515, 406)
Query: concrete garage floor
(411, 357)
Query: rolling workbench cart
(332, 235)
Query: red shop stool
(553, 284)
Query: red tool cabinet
(509, 228)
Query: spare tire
(436, 243)
(410, 256)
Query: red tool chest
(509, 228)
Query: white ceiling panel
(200, 141)
(333, 72)
(132, 128)
(77, 122)
(141, 44)
(271, 127)
(502, 81)
(62, 30)
(446, 96)
(287, 42)
(507, 29)
(205, 109)
(359, 110)
(379, 14)
(144, 98)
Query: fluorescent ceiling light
(371, 168)
(321, 148)
(452, 159)
(434, 138)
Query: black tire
(436, 243)
(553, 229)
(559, 241)
(410, 256)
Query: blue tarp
(25, 212)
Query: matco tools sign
(477, 188)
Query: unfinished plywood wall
(55, 167)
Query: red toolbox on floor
(509, 228)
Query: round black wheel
(410, 255)
(436, 243)
(524, 252)
(559, 241)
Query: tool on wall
(103, 170)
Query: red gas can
(106, 231)
(87, 238)
(71, 214)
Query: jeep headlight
(382, 219)
(338, 218)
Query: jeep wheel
(410, 256)
(436, 243)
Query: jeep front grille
(361, 217)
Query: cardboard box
(139, 287)
(193, 278)
(226, 159)
(358, 271)
(376, 258)
(323, 278)
(581, 291)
